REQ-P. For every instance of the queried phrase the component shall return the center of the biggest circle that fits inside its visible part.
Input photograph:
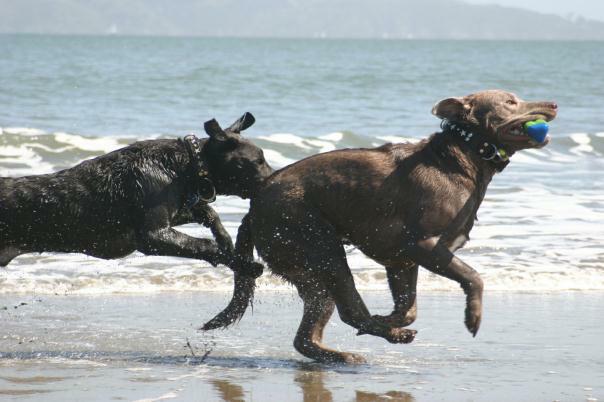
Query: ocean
(538, 242)
(67, 99)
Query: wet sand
(531, 347)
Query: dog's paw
(352, 358)
(395, 319)
(392, 335)
(401, 335)
(473, 316)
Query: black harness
(485, 149)
(201, 187)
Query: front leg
(402, 280)
(437, 258)
(169, 242)
(208, 217)
(205, 215)
(156, 237)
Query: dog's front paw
(473, 316)
(400, 335)
(225, 244)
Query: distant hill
(427, 19)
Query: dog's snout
(553, 105)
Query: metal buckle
(492, 155)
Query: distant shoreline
(293, 38)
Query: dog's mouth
(513, 133)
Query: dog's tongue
(536, 129)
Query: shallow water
(530, 347)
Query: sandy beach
(531, 347)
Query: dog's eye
(511, 102)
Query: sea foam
(539, 227)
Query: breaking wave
(539, 229)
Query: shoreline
(531, 347)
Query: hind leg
(318, 250)
(351, 308)
(318, 308)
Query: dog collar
(198, 169)
(485, 149)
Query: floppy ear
(243, 123)
(451, 109)
(214, 130)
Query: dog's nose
(553, 105)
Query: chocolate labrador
(402, 205)
(130, 199)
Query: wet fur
(128, 200)
(403, 205)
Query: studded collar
(485, 149)
(202, 187)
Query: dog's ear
(453, 109)
(214, 130)
(242, 123)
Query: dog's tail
(243, 296)
(246, 271)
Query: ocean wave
(539, 228)
(509, 257)
(33, 151)
(78, 274)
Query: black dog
(130, 199)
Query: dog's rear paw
(333, 357)
(395, 319)
(401, 335)
(351, 358)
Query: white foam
(333, 137)
(580, 138)
(277, 159)
(22, 156)
(324, 146)
(169, 395)
(25, 131)
(101, 144)
(286, 138)
(395, 139)
(534, 234)
(584, 143)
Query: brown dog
(403, 205)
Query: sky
(591, 9)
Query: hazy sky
(593, 9)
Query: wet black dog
(130, 199)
